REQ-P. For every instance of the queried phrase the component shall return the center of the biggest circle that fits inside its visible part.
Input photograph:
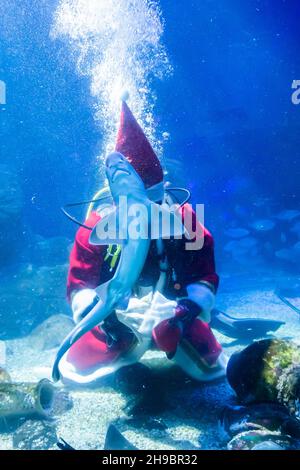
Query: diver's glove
(82, 303)
(198, 303)
(168, 333)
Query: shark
(114, 228)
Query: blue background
(227, 106)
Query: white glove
(81, 301)
(204, 298)
(160, 309)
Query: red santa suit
(190, 275)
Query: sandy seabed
(189, 419)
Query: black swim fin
(239, 328)
(114, 440)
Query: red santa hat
(134, 145)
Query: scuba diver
(179, 284)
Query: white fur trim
(203, 297)
(81, 301)
(194, 370)
(124, 95)
(70, 375)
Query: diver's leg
(95, 355)
(199, 354)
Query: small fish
(242, 245)
(262, 225)
(283, 237)
(288, 215)
(285, 254)
(236, 232)
(296, 229)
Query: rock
(35, 435)
(4, 375)
(11, 203)
(267, 371)
(2, 354)
(276, 418)
(48, 251)
(261, 440)
(268, 445)
(51, 332)
(29, 297)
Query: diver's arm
(203, 290)
(84, 270)
(200, 277)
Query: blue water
(234, 131)
(227, 106)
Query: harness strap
(163, 266)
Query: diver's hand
(168, 333)
(82, 303)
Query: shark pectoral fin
(107, 231)
(165, 223)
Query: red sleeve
(200, 263)
(85, 260)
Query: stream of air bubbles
(118, 45)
